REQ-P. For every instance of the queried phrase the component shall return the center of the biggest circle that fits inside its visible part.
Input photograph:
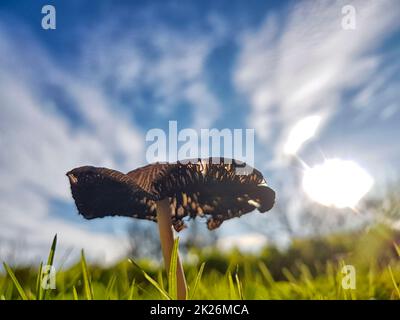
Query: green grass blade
(397, 247)
(289, 276)
(394, 281)
(39, 282)
(86, 278)
(16, 282)
(132, 290)
(239, 284)
(52, 252)
(197, 281)
(157, 286)
(266, 273)
(110, 286)
(75, 293)
(152, 281)
(43, 294)
(172, 281)
(232, 291)
(160, 279)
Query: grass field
(309, 269)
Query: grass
(310, 269)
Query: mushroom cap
(200, 187)
(100, 192)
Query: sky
(88, 92)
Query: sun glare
(337, 183)
(302, 131)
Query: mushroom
(168, 192)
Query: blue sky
(87, 93)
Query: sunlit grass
(309, 270)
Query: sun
(337, 183)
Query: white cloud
(41, 142)
(39, 145)
(168, 63)
(246, 242)
(303, 63)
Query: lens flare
(337, 183)
(302, 131)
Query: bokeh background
(87, 93)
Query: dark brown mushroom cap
(100, 192)
(209, 187)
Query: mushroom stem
(167, 243)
